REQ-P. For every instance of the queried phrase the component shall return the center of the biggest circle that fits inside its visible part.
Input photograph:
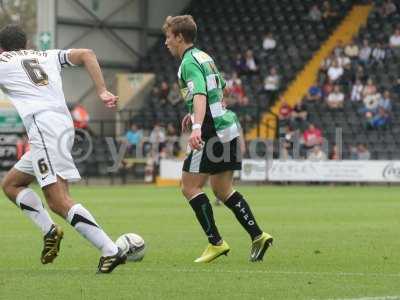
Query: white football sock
(32, 206)
(82, 220)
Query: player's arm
(196, 84)
(199, 111)
(88, 58)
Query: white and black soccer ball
(132, 245)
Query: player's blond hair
(184, 25)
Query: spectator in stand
(386, 102)
(388, 8)
(237, 90)
(133, 137)
(394, 42)
(323, 71)
(316, 154)
(335, 155)
(237, 93)
(312, 136)
(335, 71)
(287, 140)
(251, 63)
(288, 134)
(371, 99)
(378, 54)
(80, 117)
(314, 93)
(174, 95)
(157, 137)
(365, 53)
(173, 147)
(378, 120)
(269, 42)
(351, 50)
(371, 104)
(369, 88)
(229, 98)
(356, 91)
(362, 152)
(336, 98)
(164, 91)
(299, 115)
(239, 64)
(285, 113)
(327, 88)
(343, 60)
(271, 83)
(234, 78)
(315, 14)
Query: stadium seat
(249, 20)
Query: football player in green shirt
(214, 144)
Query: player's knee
(222, 193)
(219, 194)
(185, 190)
(189, 191)
(184, 187)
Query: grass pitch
(330, 243)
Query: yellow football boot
(260, 246)
(212, 252)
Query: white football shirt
(32, 80)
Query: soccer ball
(132, 245)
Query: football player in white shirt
(32, 81)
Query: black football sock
(238, 205)
(204, 213)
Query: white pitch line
(370, 298)
(265, 272)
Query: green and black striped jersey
(198, 75)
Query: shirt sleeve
(194, 79)
(60, 58)
(63, 58)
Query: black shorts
(215, 157)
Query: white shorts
(51, 137)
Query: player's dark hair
(184, 25)
(12, 38)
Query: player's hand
(186, 123)
(109, 99)
(195, 141)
